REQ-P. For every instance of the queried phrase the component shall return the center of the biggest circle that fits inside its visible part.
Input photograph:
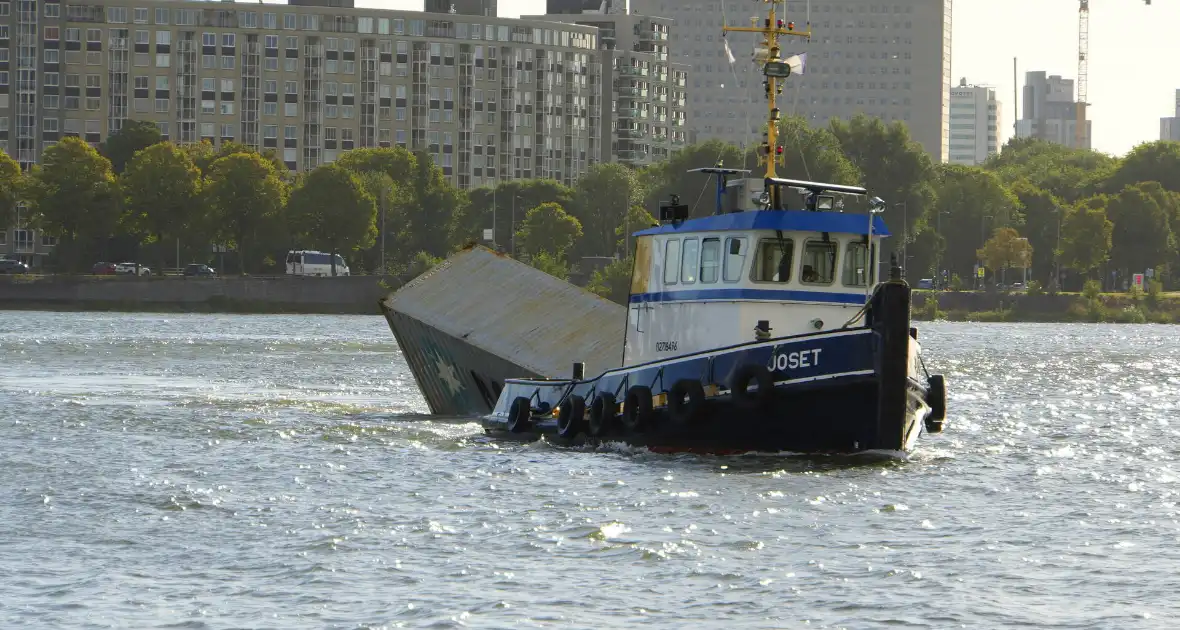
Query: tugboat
(761, 328)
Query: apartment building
(1170, 126)
(886, 58)
(1050, 112)
(488, 99)
(974, 123)
(644, 104)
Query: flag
(728, 52)
(796, 62)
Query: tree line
(1035, 205)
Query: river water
(204, 471)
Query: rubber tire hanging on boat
(936, 398)
(740, 382)
(602, 414)
(637, 409)
(520, 415)
(571, 420)
(686, 401)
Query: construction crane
(1084, 70)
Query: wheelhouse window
(774, 260)
(819, 262)
(671, 261)
(735, 258)
(858, 267)
(689, 256)
(710, 260)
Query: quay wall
(244, 294)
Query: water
(231, 471)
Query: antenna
(775, 69)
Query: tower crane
(1083, 69)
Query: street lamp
(905, 234)
(938, 280)
(982, 242)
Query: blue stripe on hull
(731, 295)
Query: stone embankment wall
(271, 294)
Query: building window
(141, 15)
(227, 108)
(163, 60)
(161, 16)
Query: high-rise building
(1049, 111)
(1170, 126)
(489, 99)
(889, 60)
(643, 105)
(974, 121)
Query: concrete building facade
(1049, 111)
(974, 124)
(886, 58)
(1170, 126)
(488, 99)
(644, 116)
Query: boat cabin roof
(785, 220)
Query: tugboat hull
(849, 390)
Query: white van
(311, 263)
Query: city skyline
(1127, 95)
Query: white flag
(796, 62)
(728, 52)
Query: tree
(389, 197)
(332, 209)
(602, 198)
(637, 220)
(162, 188)
(1042, 215)
(968, 199)
(613, 281)
(12, 183)
(396, 162)
(133, 137)
(895, 168)
(812, 153)
(436, 203)
(245, 194)
(551, 264)
(74, 195)
(1005, 249)
(1067, 174)
(486, 205)
(1141, 237)
(1086, 235)
(1149, 162)
(547, 228)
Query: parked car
(199, 270)
(129, 268)
(103, 269)
(926, 283)
(8, 266)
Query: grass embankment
(1134, 307)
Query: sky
(1134, 55)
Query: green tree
(812, 153)
(501, 204)
(246, 195)
(1042, 215)
(602, 198)
(551, 264)
(331, 209)
(895, 168)
(1004, 250)
(1067, 174)
(162, 191)
(12, 183)
(1142, 237)
(1086, 236)
(133, 137)
(637, 220)
(390, 199)
(74, 196)
(969, 201)
(396, 162)
(547, 228)
(613, 281)
(1149, 162)
(436, 203)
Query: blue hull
(849, 390)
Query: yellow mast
(775, 70)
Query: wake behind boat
(759, 328)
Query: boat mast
(775, 69)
